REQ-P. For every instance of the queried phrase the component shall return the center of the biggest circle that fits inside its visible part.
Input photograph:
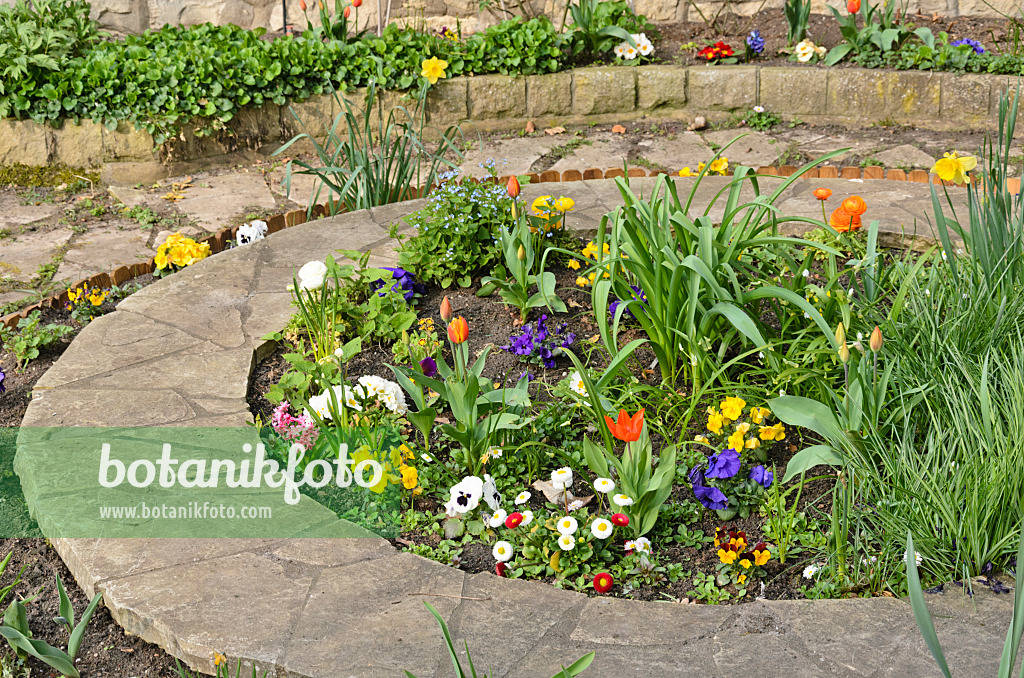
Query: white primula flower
(386, 392)
(490, 494)
(502, 551)
(804, 50)
(604, 485)
(622, 500)
(810, 571)
(250, 233)
(498, 519)
(562, 478)
(567, 525)
(465, 496)
(312, 275)
(917, 558)
(620, 50)
(527, 518)
(576, 384)
(522, 498)
(643, 44)
(601, 528)
(643, 545)
(566, 542)
(321, 404)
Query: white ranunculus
(312, 275)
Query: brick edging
(278, 222)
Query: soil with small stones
(490, 324)
(107, 650)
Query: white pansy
(250, 233)
(502, 551)
(312, 275)
(498, 519)
(464, 496)
(522, 498)
(622, 500)
(601, 528)
(567, 525)
(604, 485)
(490, 494)
(576, 384)
(567, 542)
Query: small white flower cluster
(250, 233)
(386, 392)
(628, 52)
(640, 545)
(806, 49)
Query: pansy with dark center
(405, 283)
(637, 295)
(538, 344)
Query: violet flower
(710, 497)
(762, 476)
(724, 465)
(428, 367)
(405, 283)
(538, 344)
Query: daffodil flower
(954, 167)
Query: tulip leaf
(809, 457)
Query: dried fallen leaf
(574, 304)
(618, 129)
(554, 130)
(594, 339)
(530, 127)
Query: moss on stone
(34, 177)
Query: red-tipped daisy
(603, 582)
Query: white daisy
(575, 505)
(498, 519)
(810, 571)
(562, 478)
(643, 545)
(601, 528)
(566, 542)
(522, 498)
(527, 518)
(502, 551)
(604, 485)
(567, 525)
(758, 109)
(622, 500)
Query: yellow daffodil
(732, 407)
(954, 167)
(433, 69)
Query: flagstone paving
(179, 353)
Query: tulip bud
(852, 6)
(405, 337)
(844, 353)
(840, 334)
(446, 310)
(521, 254)
(302, 5)
(513, 186)
(347, 12)
(876, 340)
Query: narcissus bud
(521, 254)
(844, 353)
(876, 340)
(840, 334)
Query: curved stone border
(179, 352)
(597, 94)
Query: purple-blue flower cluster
(405, 284)
(637, 295)
(755, 42)
(539, 344)
(973, 44)
(725, 466)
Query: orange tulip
(458, 330)
(446, 310)
(852, 6)
(357, 3)
(855, 205)
(822, 193)
(626, 428)
(347, 12)
(842, 221)
(876, 340)
(302, 5)
(513, 186)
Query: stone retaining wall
(858, 97)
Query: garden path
(179, 352)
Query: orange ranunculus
(852, 6)
(626, 428)
(446, 310)
(458, 330)
(822, 193)
(842, 221)
(513, 186)
(855, 205)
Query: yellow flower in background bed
(410, 476)
(732, 407)
(541, 205)
(564, 204)
(574, 264)
(433, 69)
(954, 167)
(686, 172)
(758, 414)
(776, 432)
(178, 252)
(720, 166)
(715, 421)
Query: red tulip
(458, 330)
(603, 582)
(620, 520)
(852, 6)
(347, 12)
(357, 3)
(627, 428)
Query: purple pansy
(637, 295)
(539, 344)
(762, 476)
(724, 465)
(711, 497)
(428, 367)
(973, 44)
(405, 283)
(2, 377)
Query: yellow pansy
(759, 414)
(574, 264)
(732, 407)
(686, 172)
(761, 557)
(753, 444)
(581, 281)
(720, 166)
(736, 441)
(433, 68)
(740, 579)
(715, 421)
(954, 167)
(727, 557)
(777, 432)
(746, 564)
(410, 476)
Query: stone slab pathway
(179, 353)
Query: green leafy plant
(598, 26)
(29, 337)
(517, 245)
(798, 13)
(881, 30)
(66, 618)
(574, 669)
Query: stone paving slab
(511, 156)
(604, 150)
(685, 149)
(21, 254)
(328, 608)
(225, 196)
(752, 149)
(103, 250)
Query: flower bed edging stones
(340, 607)
(815, 94)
